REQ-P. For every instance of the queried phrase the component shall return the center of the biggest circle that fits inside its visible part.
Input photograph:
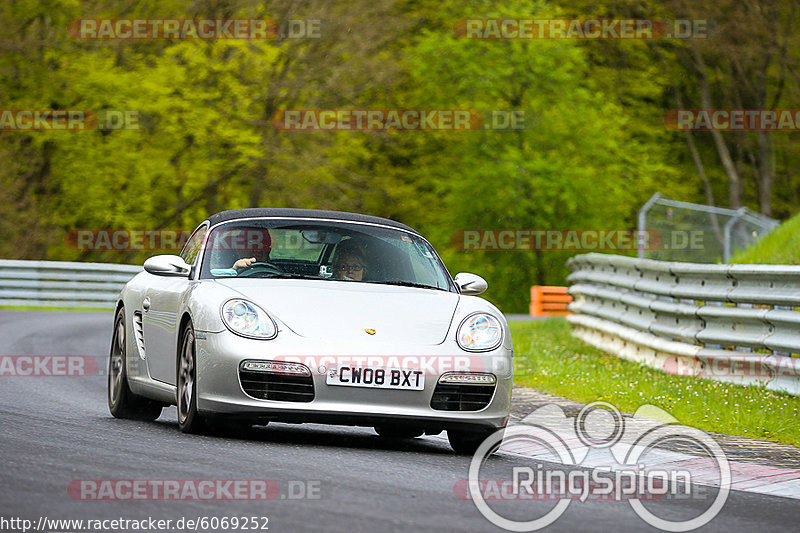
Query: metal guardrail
(734, 323)
(62, 284)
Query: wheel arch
(119, 307)
(186, 318)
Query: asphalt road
(54, 430)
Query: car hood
(330, 310)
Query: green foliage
(572, 167)
(781, 246)
(593, 149)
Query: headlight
(479, 333)
(248, 320)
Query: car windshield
(322, 250)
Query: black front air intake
(447, 397)
(277, 386)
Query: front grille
(278, 387)
(461, 397)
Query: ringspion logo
(609, 458)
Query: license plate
(376, 378)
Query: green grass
(780, 247)
(548, 358)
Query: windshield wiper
(401, 283)
(285, 275)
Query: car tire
(122, 402)
(468, 442)
(398, 432)
(189, 419)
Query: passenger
(348, 262)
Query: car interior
(385, 260)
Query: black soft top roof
(256, 212)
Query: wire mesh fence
(683, 231)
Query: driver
(256, 243)
(259, 256)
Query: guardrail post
(643, 223)
(726, 250)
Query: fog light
(467, 378)
(277, 367)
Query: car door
(161, 313)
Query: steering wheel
(259, 267)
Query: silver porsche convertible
(294, 315)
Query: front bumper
(219, 390)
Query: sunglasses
(350, 268)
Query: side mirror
(470, 283)
(167, 265)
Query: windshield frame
(201, 257)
